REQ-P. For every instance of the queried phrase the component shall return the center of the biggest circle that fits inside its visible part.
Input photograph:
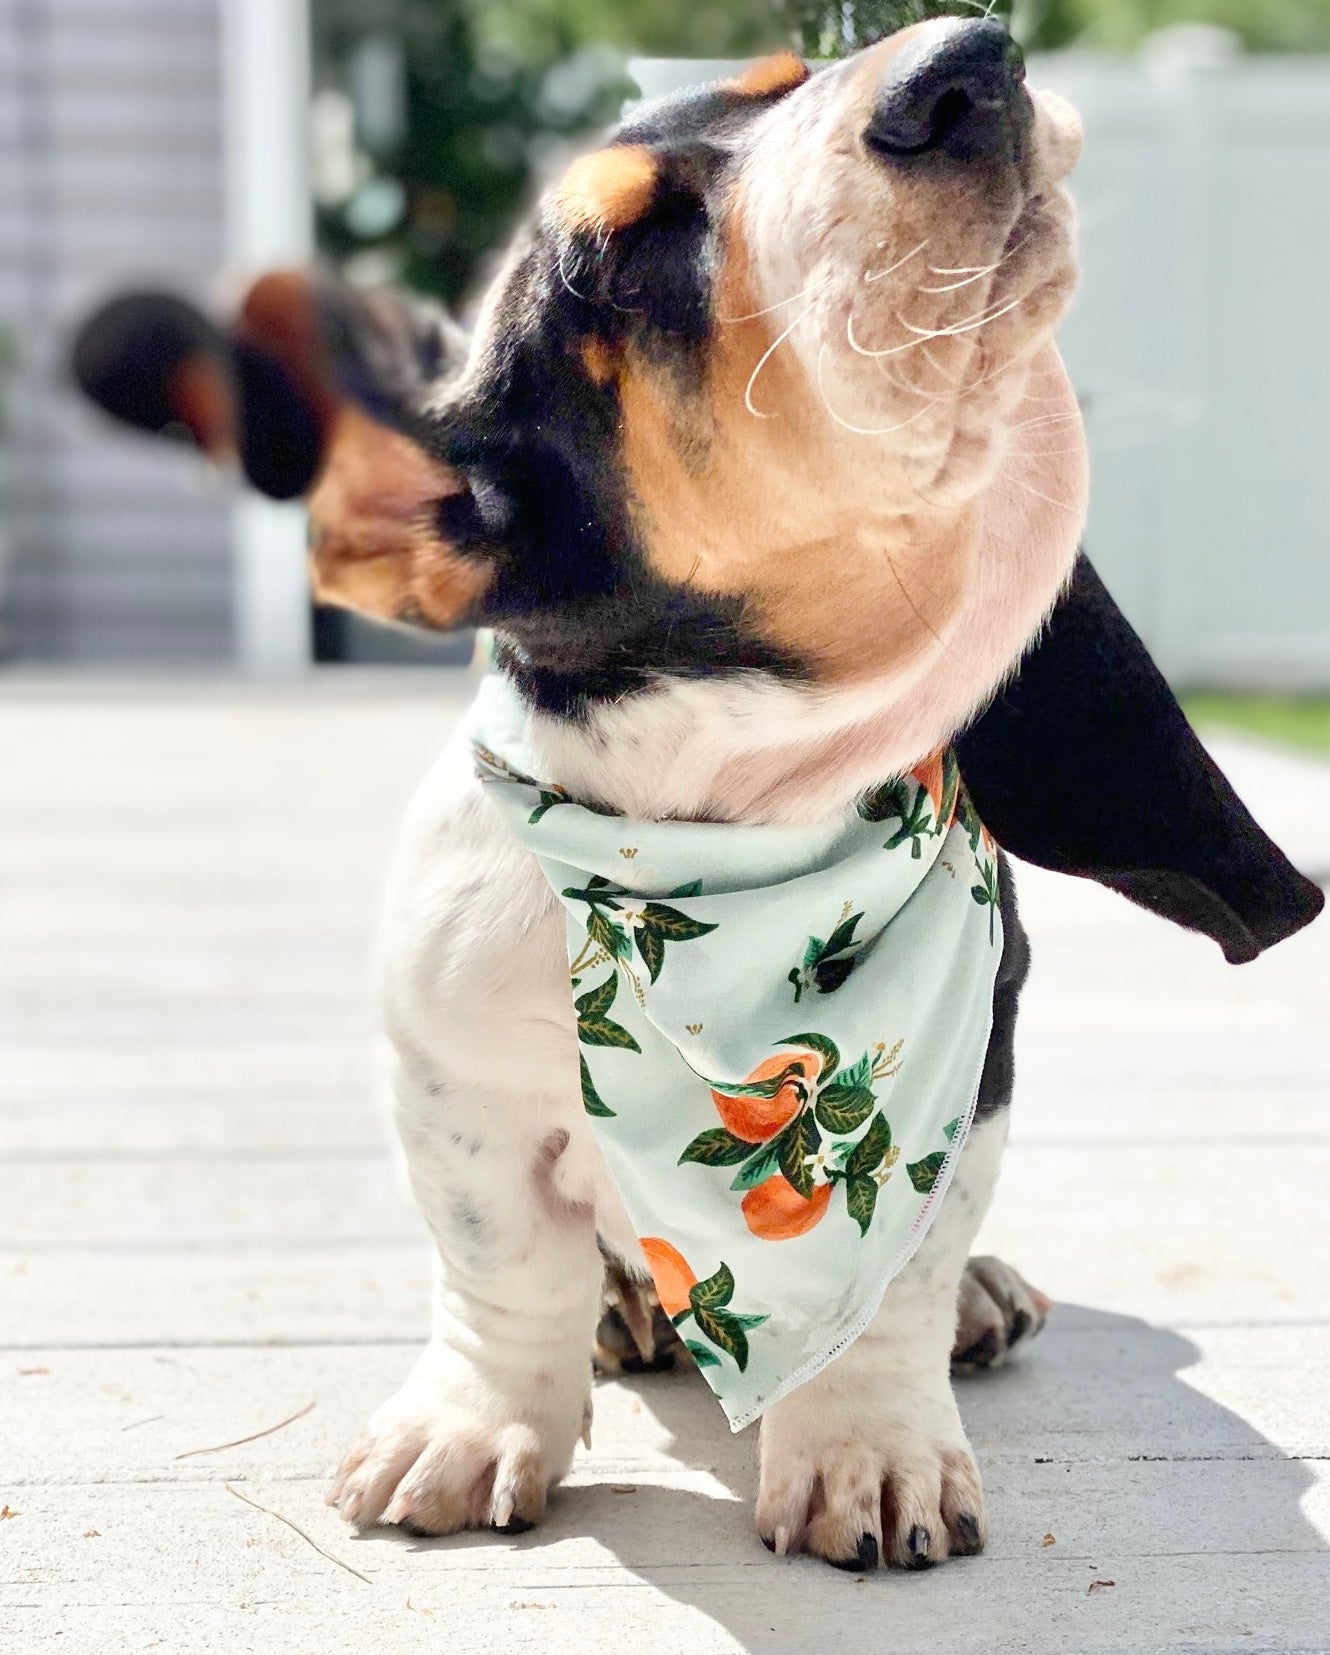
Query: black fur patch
(1086, 764)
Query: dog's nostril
(957, 91)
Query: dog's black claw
(1020, 1326)
(981, 1354)
(414, 1530)
(919, 1544)
(969, 1532)
(514, 1525)
(769, 1544)
(865, 1558)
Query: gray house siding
(111, 172)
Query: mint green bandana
(782, 1031)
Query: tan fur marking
(375, 548)
(739, 519)
(279, 318)
(200, 397)
(599, 360)
(608, 190)
(781, 72)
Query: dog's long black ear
(1086, 764)
(316, 389)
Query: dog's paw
(634, 1334)
(452, 1451)
(997, 1313)
(868, 1482)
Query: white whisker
(971, 273)
(780, 304)
(951, 379)
(861, 430)
(979, 319)
(766, 356)
(1048, 498)
(881, 275)
(563, 277)
(1046, 419)
(896, 378)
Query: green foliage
(488, 91)
(1297, 721)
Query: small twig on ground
(254, 1437)
(134, 1424)
(309, 1539)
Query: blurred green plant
(1296, 721)
(432, 117)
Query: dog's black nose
(956, 90)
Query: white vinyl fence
(1200, 347)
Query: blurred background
(175, 141)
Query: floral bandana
(781, 1032)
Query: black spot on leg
(467, 1216)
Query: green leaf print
(924, 1174)
(716, 1148)
(713, 1293)
(548, 800)
(883, 802)
(826, 965)
(798, 1142)
(871, 1148)
(861, 1200)
(842, 1107)
(611, 937)
(652, 949)
(594, 1028)
(592, 1101)
(950, 1130)
(759, 1168)
(672, 925)
(916, 823)
(825, 1049)
(757, 1088)
(987, 894)
(692, 888)
(724, 1331)
(842, 937)
(702, 1354)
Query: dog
(762, 466)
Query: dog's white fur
(485, 1072)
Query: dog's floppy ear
(317, 390)
(1086, 764)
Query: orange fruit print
(932, 778)
(756, 1120)
(775, 1211)
(671, 1273)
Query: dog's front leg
(870, 1460)
(503, 1167)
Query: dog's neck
(755, 748)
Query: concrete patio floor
(201, 1232)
